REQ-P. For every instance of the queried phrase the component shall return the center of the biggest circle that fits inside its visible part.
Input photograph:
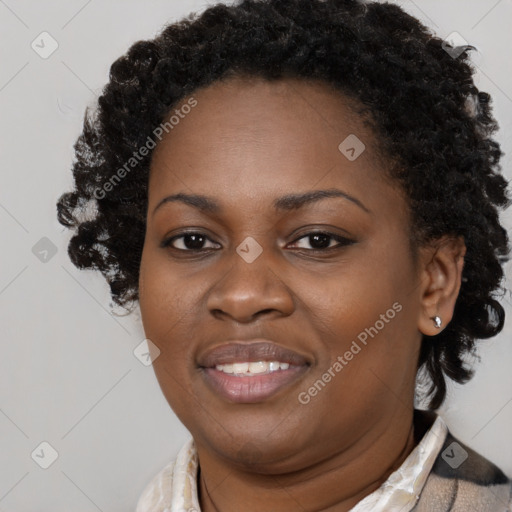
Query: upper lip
(249, 351)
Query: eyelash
(342, 241)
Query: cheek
(367, 320)
(163, 290)
(164, 310)
(354, 297)
(162, 306)
(172, 311)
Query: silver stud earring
(437, 321)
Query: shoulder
(456, 460)
(463, 480)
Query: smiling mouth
(251, 373)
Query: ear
(441, 274)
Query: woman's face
(330, 322)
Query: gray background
(68, 375)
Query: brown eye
(189, 242)
(321, 240)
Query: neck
(336, 484)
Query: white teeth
(240, 367)
(273, 366)
(253, 368)
(226, 368)
(259, 367)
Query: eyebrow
(286, 203)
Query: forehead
(244, 106)
(264, 139)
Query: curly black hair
(431, 121)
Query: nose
(247, 291)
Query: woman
(303, 197)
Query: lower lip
(251, 389)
